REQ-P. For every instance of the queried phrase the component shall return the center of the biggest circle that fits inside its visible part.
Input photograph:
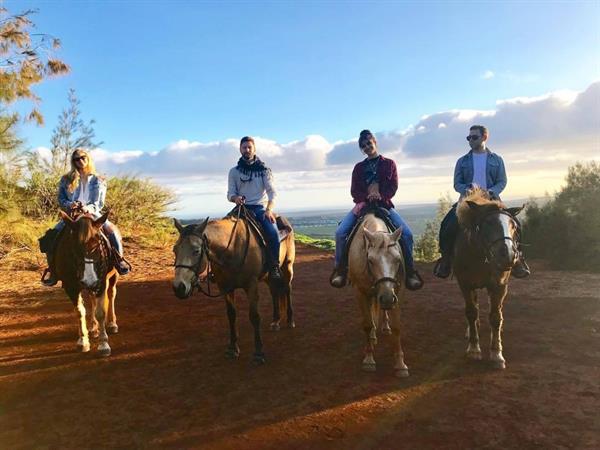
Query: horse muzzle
(181, 290)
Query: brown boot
(338, 277)
(414, 282)
(443, 267)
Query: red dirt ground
(168, 383)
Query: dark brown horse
(484, 254)
(228, 253)
(83, 263)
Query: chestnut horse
(376, 270)
(82, 261)
(227, 252)
(484, 254)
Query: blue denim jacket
(494, 171)
(97, 194)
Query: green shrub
(566, 230)
(325, 244)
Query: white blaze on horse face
(506, 222)
(89, 274)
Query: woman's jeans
(346, 225)
(270, 230)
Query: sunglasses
(79, 158)
(473, 138)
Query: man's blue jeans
(345, 227)
(270, 230)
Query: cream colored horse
(376, 270)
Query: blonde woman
(81, 188)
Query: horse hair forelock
(467, 217)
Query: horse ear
(369, 235)
(474, 206)
(101, 220)
(396, 234)
(515, 211)
(66, 219)
(178, 225)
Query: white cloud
(488, 75)
(533, 134)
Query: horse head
(495, 231)
(90, 250)
(191, 258)
(384, 263)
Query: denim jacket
(97, 194)
(494, 171)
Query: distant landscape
(321, 224)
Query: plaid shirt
(387, 177)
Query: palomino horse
(484, 254)
(232, 257)
(83, 263)
(376, 270)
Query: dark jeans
(270, 230)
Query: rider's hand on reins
(239, 200)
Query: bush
(566, 230)
(426, 244)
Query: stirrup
(338, 278)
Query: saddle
(284, 227)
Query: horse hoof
(292, 324)
(275, 326)
(498, 364)
(386, 331)
(232, 353)
(259, 359)
(83, 348)
(94, 334)
(474, 356)
(402, 373)
(112, 329)
(369, 367)
(104, 351)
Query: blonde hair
(73, 176)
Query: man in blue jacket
(478, 168)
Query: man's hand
(269, 215)
(239, 199)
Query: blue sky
(155, 73)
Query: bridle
(382, 279)
(101, 264)
(487, 246)
(205, 251)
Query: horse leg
(112, 327)
(94, 333)
(370, 329)
(101, 313)
(83, 342)
(233, 351)
(288, 273)
(252, 293)
(472, 313)
(497, 296)
(400, 367)
(385, 327)
(276, 296)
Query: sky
(173, 85)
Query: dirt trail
(168, 383)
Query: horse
(232, 257)
(83, 262)
(376, 271)
(485, 251)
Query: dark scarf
(371, 169)
(252, 169)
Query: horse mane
(467, 216)
(85, 230)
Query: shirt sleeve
(270, 186)
(356, 191)
(63, 196)
(460, 185)
(232, 190)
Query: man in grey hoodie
(251, 184)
